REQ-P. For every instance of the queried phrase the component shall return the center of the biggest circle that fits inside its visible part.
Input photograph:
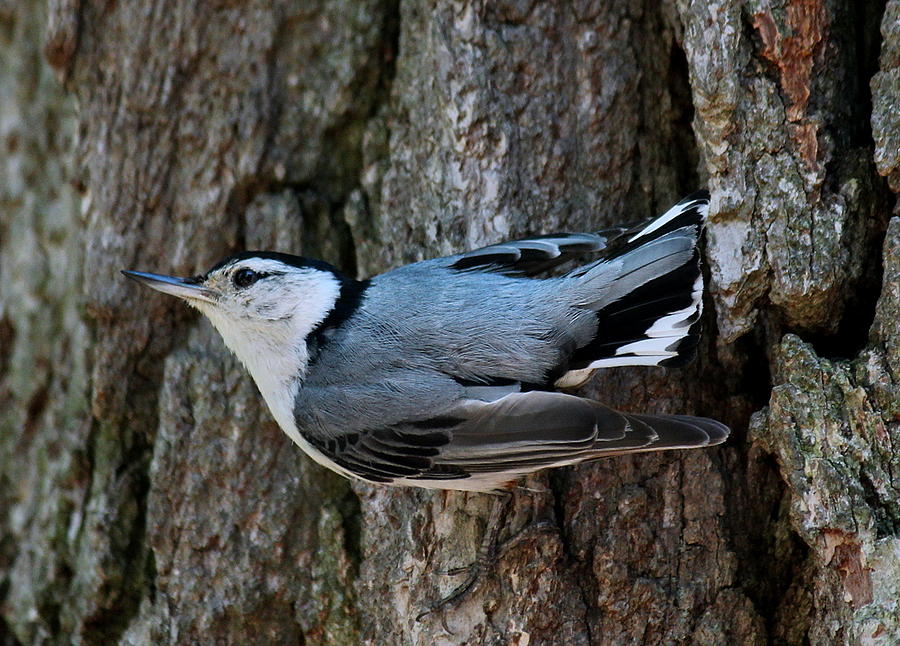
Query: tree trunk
(146, 495)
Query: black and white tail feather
(651, 298)
(646, 288)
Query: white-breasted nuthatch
(444, 373)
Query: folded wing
(482, 445)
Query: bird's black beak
(184, 288)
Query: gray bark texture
(146, 495)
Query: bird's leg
(534, 526)
(487, 550)
(490, 548)
(487, 556)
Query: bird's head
(264, 304)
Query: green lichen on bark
(833, 425)
(885, 89)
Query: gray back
(423, 328)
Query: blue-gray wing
(482, 445)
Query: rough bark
(146, 496)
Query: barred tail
(647, 293)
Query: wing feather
(477, 444)
(531, 256)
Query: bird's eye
(245, 277)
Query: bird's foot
(470, 585)
(488, 556)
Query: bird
(460, 372)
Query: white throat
(274, 349)
(276, 358)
